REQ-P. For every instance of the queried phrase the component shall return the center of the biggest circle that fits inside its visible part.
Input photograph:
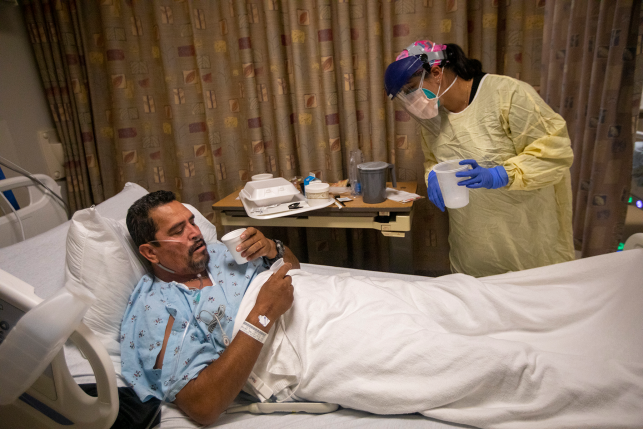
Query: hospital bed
(56, 401)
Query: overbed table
(393, 219)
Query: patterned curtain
(197, 96)
(593, 76)
(55, 33)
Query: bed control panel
(9, 316)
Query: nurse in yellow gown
(519, 214)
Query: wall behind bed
(23, 109)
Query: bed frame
(41, 214)
(55, 391)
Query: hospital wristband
(254, 332)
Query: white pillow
(102, 258)
(116, 206)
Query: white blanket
(523, 350)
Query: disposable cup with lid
(454, 196)
(317, 193)
(231, 241)
(262, 176)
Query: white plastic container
(317, 193)
(268, 192)
(231, 241)
(262, 176)
(454, 196)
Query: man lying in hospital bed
(493, 352)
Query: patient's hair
(139, 223)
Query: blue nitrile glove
(433, 189)
(480, 177)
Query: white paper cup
(262, 176)
(317, 193)
(231, 241)
(454, 196)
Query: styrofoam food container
(231, 241)
(317, 193)
(262, 176)
(454, 196)
(269, 192)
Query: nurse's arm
(205, 397)
(429, 158)
(540, 137)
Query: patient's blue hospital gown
(151, 304)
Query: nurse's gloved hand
(433, 189)
(480, 177)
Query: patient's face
(185, 252)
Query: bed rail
(43, 212)
(635, 241)
(55, 400)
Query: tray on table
(254, 211)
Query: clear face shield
(415, 101)
(404, 83)
(418, 101)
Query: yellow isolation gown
(527, 223)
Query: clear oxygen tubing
(22, 229)
(226, 342)
(25, 173)
(175, 366)
(301, 364)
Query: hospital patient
(187, 271)
(525, 350)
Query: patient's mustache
(196, 245)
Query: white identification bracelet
(254, 332)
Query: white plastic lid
(375, 165)
(262, 176)
(263, 189)
(317, 187)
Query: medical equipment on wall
(37, 389)
(12, 166)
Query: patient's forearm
(290, 257)
(208, 395)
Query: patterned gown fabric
(593, 76)
(197, 96)
(196, 340)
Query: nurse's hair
(456, 61)
(139, 223)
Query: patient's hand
(255, 245)
(274, 299)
